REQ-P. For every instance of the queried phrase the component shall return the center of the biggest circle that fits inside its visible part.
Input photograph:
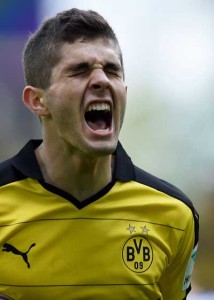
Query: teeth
(99, 106)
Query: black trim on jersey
(169, 189)
(25, 165)
(78, 204)
(188, 291)
(124, 168)
(8, 173)
(26, 161)
(22, 165)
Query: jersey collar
(26, 163)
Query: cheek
(123, 100)
(62, 116)
(123, 107)
(60, 107)
(67, 118)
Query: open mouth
(98, 116)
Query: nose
(99, 80)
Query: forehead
(97, 50)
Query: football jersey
(135, 239)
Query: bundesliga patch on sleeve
(189, 268)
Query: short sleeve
(175, 283)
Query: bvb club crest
(137, 253)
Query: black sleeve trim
(187, 292)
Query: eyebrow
(75, 67)
(78, 66)
(114, 66)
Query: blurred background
(168, 49)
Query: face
(87, 96)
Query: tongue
(98, 125)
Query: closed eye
(77, 69)
(113, 69)
(83, 68)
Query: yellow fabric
(132, 243)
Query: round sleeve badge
(137, 254)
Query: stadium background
(168, 49)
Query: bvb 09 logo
(137, 254)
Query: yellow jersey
(135, 239)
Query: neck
(77, 174)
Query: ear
(34, 99)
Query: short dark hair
(42, 50)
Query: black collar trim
(26, 163)
(124, 168)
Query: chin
(102, 149)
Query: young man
(78, 219)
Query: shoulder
(163, 186)
(127, 171)
(167, 188)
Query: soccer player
(78, 219)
